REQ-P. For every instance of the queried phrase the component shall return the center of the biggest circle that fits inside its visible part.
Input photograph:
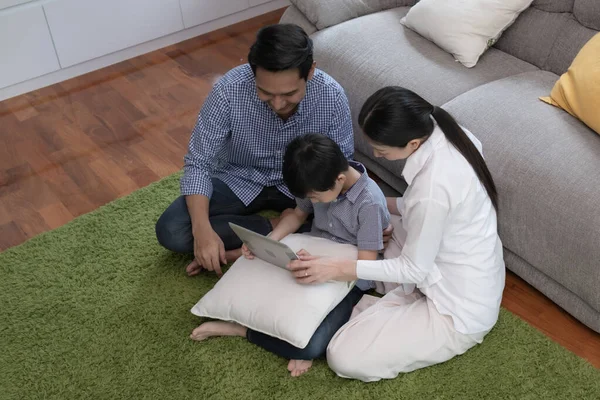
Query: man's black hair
(312, 163)
(282, 47)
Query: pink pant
(401, 332)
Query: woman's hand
(310, 269)
(387, 235)
(247, 253)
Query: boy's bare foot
(193, 268)
(299, 367)
(217, 328)
(275, 221)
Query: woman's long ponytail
(393, 116)
(459, 139)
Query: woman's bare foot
(299, 367)
(217, 328)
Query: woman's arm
(391, 205)
(367, 254)
(425, 222)
(425, 228)
(394, 204)
(289, 224)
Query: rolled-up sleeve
(210, 133)
(425, 222)
(305, 205)
(340, 129)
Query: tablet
(265, 248)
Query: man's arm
(340, 129)
(210, 133)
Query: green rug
(97, 310)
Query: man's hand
(209, 252)
(387, 235)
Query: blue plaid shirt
(239, 140)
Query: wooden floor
(67, 149)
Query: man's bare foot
(193, 268)
(217, 328)
(233, 255)
(299, 367)
(275, 221)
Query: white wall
(46, 41)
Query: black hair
(312, 162)
(393, 116)
(282, 47)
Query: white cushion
(464, 28)
(267, 299)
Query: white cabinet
(26, 49)
(86, 29)
(196, 12)
(257, 2)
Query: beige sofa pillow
(464, 28)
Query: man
(233, 166)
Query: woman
(447, 276)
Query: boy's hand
(247, 253)
(304, 253)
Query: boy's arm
(289, 224)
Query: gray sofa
(546, 163)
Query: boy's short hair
(312, 163)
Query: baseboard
(555, 291)
(131, 52)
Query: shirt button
(331, 225)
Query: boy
(348, 207)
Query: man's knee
(173, 236)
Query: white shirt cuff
(372, 270)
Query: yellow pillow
(578, 90)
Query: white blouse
(452, 250)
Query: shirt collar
(355, 190)
(416, 162)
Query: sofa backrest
(550, 33)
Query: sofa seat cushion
(376, 50)
(546, 165)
